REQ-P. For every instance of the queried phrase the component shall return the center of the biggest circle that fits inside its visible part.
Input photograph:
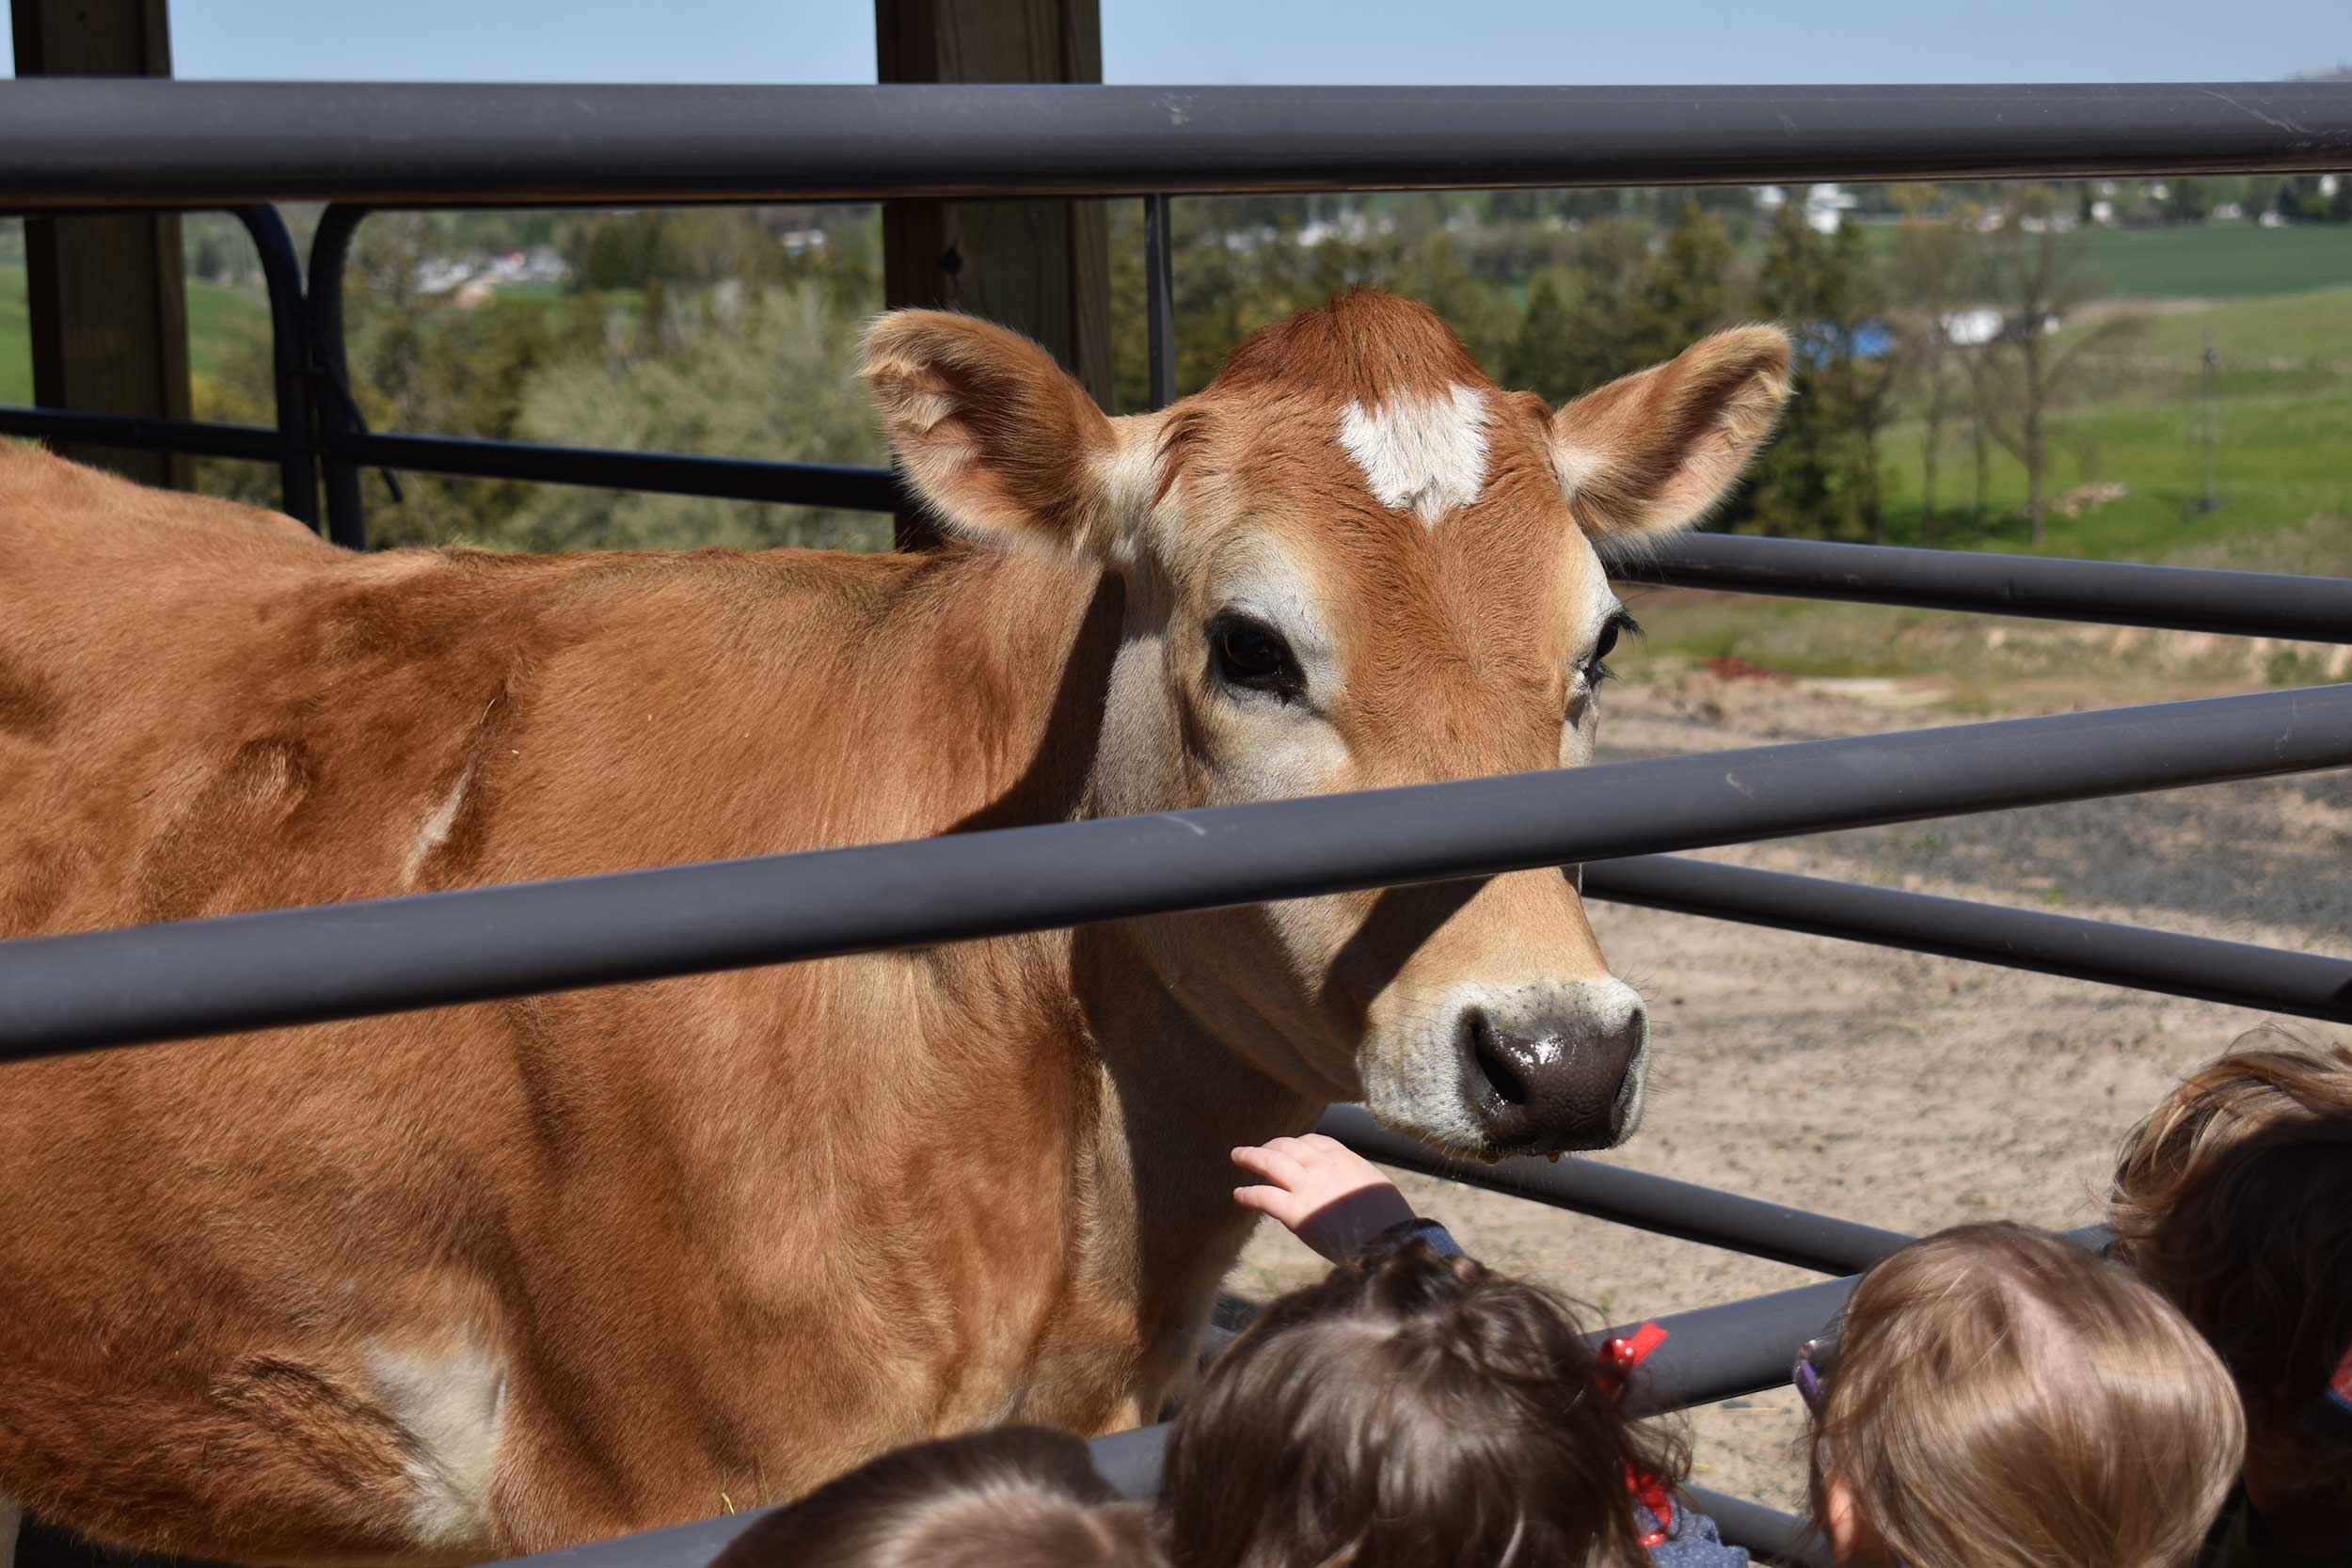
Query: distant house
(1969, 328)
(1825, 206)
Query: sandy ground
(1901, 1090)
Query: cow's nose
(1567, 1074)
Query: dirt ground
(1898, 1090)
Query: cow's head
(1352, 562)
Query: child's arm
(1331, 1197)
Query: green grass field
(2219, 260)
(16, 345)
(2282, 452)
(2282, 482)
(220, 321)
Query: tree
(767, 373)
(1603, 339)
(1687, 291)
(1930, 272)
(1822, 476)
(1980, 437)
(2045, 351)
(1536, 360)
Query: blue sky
(1261, 41)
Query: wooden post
(1040, 267)
(107, 295)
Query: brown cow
(455, 1285)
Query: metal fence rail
(290, 444)
(126, 143)
(2111, 593)
(2241, 974)
(342, 960)
(1656, 1204)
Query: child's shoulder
(1693, 1542)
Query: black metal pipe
(281, 276)
(2248, 604)
(115, 143)
(1658, 1204)
(137, 432)
(289, 362)
(1709, 1353)
(1766, 1533)
(2268, 979)
(668, 473)
(1159, 297)
(345, 960)
(1733, 1350)
(338, 410)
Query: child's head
(2234, 1199)
(1414, 1410)
(2003, 1398)
(1010, 1496)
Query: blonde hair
(2003, 1398)
(2234, 1198)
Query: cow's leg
(11, 1521)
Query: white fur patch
(450, 1403)
(434, 831)
(1425, 453)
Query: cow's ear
(1655, 449)
(995, 437)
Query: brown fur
(729, 1234)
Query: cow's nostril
(1503, 1078)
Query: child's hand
(1326, 1194)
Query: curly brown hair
(2234, 1198)
(1411, 1411)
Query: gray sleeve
(1440, 1239)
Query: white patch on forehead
(1425, 453)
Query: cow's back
(203, 711)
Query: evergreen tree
(1539, 356)
(1688, 291)
(1820, 478)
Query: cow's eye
(1250, 656)
(1619, 625)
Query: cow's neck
(1176, 1098)
(1182, 1102)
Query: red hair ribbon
(1619, 1356)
